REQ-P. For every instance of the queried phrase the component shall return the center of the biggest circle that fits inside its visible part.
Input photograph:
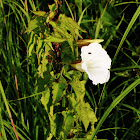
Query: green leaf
(53, 124)
(37, 25)
(54, 39)
(70, 25)
(45, 99)
(58, 89)
(39, 46)
(33, 24)
(86, 114)
(90, 115)
(42, 55)
(31, 44)
(43, 82)
(79, 87)
(57, 92)
(69, 22)
(59, 124)
(57, 28)
(40, 13)
(52, 7)
(69, 120)
(84, 117)
(56, 123)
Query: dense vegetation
(42, 97)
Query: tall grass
(42, 97)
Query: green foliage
(42, 96)
(77, 110)
(84, 111)
(68, 122)
(58, 89)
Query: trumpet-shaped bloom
(96, 63)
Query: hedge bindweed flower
(96, 63)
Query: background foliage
(42, 96)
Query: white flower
(96, 63)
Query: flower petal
(98, 75)
(96, 62)
(95, 55)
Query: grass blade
(114, 103)
(135, 16)
(69, 9)
(2, 130)
(81, 16)
(8, 109)
(99, 23)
